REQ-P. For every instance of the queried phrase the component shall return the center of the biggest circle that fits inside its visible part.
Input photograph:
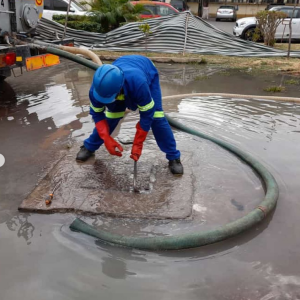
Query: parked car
(155, 9)
(226, 12)
(60, 7)
(270, 5)
(180, 5)
(245, 27)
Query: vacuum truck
(18, 21)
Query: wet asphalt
(43, 113)
(225, 25)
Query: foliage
(70, 18)
(201, 77)
(112, 14)
(275, 89)
(203, 61)
(199, 61)
(291, 81)
(267, 23)
(145, 28)
(79, 22)
(257, 35)
(86, 26)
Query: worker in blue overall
(132, 82)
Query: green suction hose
(194, 239)
(70, 56)
(201, 238)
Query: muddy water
(40, 258)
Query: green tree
(112, 14)
(79, 22)
(146, 30)
(267, 23)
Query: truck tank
(18, 20)
(20, 15)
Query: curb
(157, 59)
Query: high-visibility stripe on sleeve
(159, 114)
(121, 97)
(97, 109)
(147, 106)
(114, 115)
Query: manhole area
(104, 186)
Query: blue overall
(141, 91)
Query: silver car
(226, 12)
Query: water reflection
(62, 94)
(266, 257)
(242, 117)
(60, 107)
(180, 74)
(20, 224)
(115, 268)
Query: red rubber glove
(139, 139)
(110, 144)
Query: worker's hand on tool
(110, 144)
(139, 139)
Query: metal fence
(272, 2)
(181, 33)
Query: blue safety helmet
(107, 82)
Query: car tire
(234, 20)
(217, 19)
(248, 35)
(2, 78)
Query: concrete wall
(245, 10)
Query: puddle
(48, 109)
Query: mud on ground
(278, 64)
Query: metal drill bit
(135, 178)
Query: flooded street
(45, 112)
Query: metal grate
(12, 17)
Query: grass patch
(224, 73)
(201, 77)
(275, 89)
(204, 61)
(292, 81)
(285, 46)
(275, 64)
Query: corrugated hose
(198, 238)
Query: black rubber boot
(176, 167)
(84, 154)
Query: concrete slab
(104, 185)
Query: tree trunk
(290, 27)
(200, 8)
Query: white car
(226, 12)
(60, 7)
(245, 27)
